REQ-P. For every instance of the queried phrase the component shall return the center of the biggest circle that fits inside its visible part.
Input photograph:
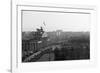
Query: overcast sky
(55, 21)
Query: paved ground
(47, 57)
(42, 55)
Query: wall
(5, 34)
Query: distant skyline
(51, 21)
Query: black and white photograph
(52, 36)
(55, 36)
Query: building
(33, 42)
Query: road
(45, 54)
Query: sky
(55, 21)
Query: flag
(44, 23)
